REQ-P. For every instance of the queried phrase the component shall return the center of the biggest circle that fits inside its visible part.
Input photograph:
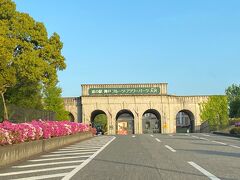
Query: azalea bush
(11, 133)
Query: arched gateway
(137, 108)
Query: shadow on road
(151, 167)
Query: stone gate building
(136, 108)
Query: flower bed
(11, 133)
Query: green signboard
(124, 91)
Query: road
(141, 157)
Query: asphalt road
(141, 157)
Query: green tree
(54, 102)
(29, 58)
(215, 112)
(101, 120)
(233, 93)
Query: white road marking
(87, 148)
(170, 148)
(50, 159)
(219, 142)
(158, 140)
(206, 135)
(78, 168)
(187, 134)
(43, 177)
(234, 146)
(133, 136)
(73, 151)
(151, 135)
(37, 170)
(48, 164)
(67, 154)
(84, 146)
(205, 172)
(204, 139)
(195, 137)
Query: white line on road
(187, 134)
(48, 164)
(87, 148)
(73, 151)
(78, 168)
(50, 159)
(67, 154)
(205, 172)
(133, 136)
(158, 140)
(151, 135)
(235, 146)
(37, 170)
(170, 148)
(204, 139)
(42, 177)
(206, 135)
(219, 142)
(195, 137)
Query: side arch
(185, 121)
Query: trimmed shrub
(235, 130)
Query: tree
(215, 112)
(54, 102)
(233, 94)
(101, 120)
(29, 58)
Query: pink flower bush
(11, 133)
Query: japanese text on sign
(123, 91)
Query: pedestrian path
(57, 164)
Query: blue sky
(194, 45)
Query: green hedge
(235, 130)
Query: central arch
(125, 122)
(185, 121)
(151, 121)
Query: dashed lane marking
(151, 135)
(158, 140)
(170, 148)
(204, 171)
(48, 164)
(133, 136)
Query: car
(99, 130)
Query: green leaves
(233, 93)
(215, 112)
(29, 59)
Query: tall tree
(29, 58)
(215, 112)
(233, 93)
(54, 102)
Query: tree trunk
(5, 114)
